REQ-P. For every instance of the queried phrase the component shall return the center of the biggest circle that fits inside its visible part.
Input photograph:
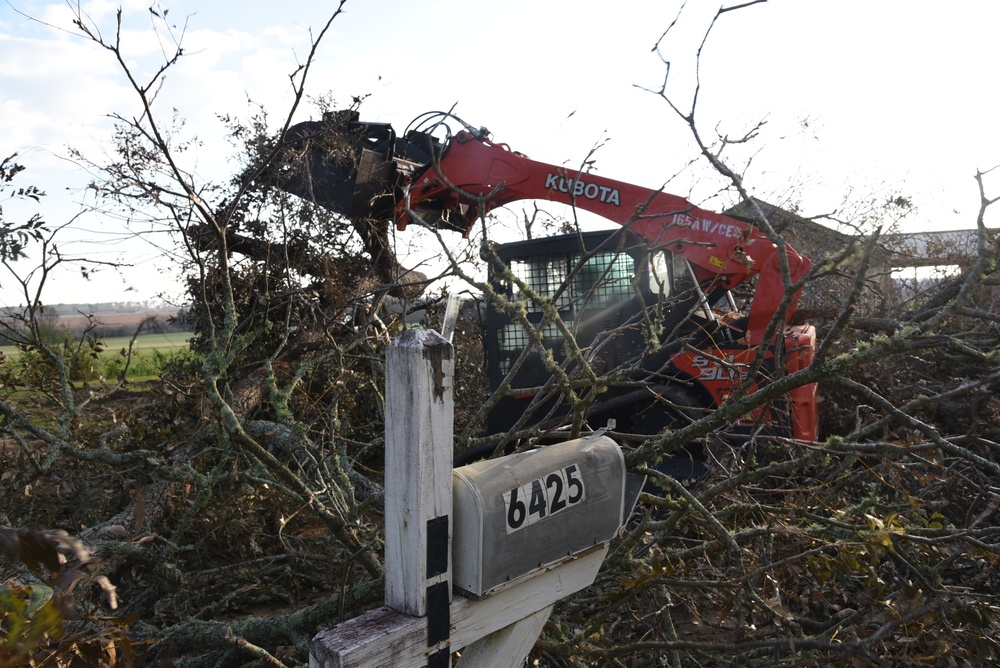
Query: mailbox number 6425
(543, 497)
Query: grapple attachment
(359, 169)
(342, 164)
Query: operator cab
(611, 292)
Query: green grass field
(149, 342)
(149, 353)
(146, 343)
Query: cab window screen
(604, 280)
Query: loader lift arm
(474, 175)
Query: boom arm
(475, 175)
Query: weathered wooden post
(529, 529)
(419, 418)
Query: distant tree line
(105, 307)
(160, 325)
(56, 327)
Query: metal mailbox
(518, 514)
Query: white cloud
(898, 93)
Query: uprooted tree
(230, 512)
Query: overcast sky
(862, 98)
